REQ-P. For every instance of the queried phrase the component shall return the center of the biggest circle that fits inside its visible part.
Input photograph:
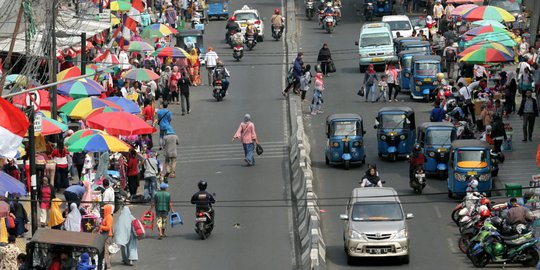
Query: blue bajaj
(218, 9)
(497, 248)
(395, 132)
(405, 58)
(345, 145)
(469, 158)
(398, 42)
(436, 138)
(382, 7)
(424, 71)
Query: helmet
(417, 147)
(473, 182)
(232, 18)
(484, 212)
(497, 248)
(202, 185)
(276, 11)
(485, 201)
(440, 76)
(497, 222)
(329, 4)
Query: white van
(399, 23)
(375, 45)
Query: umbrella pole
(32, 158)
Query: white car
(399, 23)
(248, 14)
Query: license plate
(217, 87)
(427, 79)
(443, 149)
(330, 20)
(200, 219)
(377, 59)
(472, 173)
(377, 250)
(243, 24)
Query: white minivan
(399, 23)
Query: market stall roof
(67, 238)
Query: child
(383, 87)
(317, 95)
(305, 81)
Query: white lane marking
(451, 245)
(437, 212)
(228, 159)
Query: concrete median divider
(312, 248)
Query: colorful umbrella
(48, 114)
(115, 20)
(45, 101)
(463, 1)
(488, 13)
(99, 67)
(488, 29)
(171, 52)
(75, 137)
(120, 123)
(128, 105)
(488, 22)
(492, 45)
(50, 126)
(120, 5)
(157, 30)
(140, 46)
(81, 107)
(101, 110)
(460, 10)
(486, 53)
(17, 79)
(492, 37)
(11, 185)
(80, 88)
(107, 58)
(99, 142)
(140, 74)
(72, 72)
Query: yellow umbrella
(115, 20)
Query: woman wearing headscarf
(194, 68)
(55, 215)
(124, 237)
(324, 58)
(106, 228)
(316, 102)
(173, 84)
(248, 137)
(392, 80)
(73, 219)
(45, 194)
(369, 82)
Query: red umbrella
(45, 101)
(120, 123)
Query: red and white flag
(13, 127)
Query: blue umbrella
(11, 185)
(128, 105)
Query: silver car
(375, 225)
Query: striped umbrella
(81, 107)
(45, 101)
(80, 88)
(140, 46)
(140, 74)
(157, 30)
(81, 134)
(504, 39)
(127, 104)
(171, 52)
(120, 123)
(120, 5)
(101, 110)
(488, 13)
(487, 22)
(462, 9)
(99, 142)
(488, 29)
(72, 72)
(50, 126)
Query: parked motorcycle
(250, 42)
(238, 52)
(497, 248)
(418, 181)
(218, 92)
(310, 9)
(204, 224)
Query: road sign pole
(33, 182)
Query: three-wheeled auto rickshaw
(218, 9)
(345, 139)
(395, 132)
(418, 46)
(405, 58)
(424, 76)
(381, 7)
(47, 242)
(469, 158)
(436, 138)
(398, 42)
(189, 39)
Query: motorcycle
(369, 11)
(276, 33)
(238, 52)
(204, 224)
(250, 42)
(310, 9)
(495, 158)
(228, 38)
(464, 129)
(418, 181)
(218, 92)
(329, 23)
(497, 248)
(337, 10)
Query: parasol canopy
(157, 30)
(11, 185)
(488, 13)
(127, 105)
(80, 88)
(81, 107)
(140, 74)
(99, 142)
(120, 123)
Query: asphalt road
(433, 236)
(245, 237)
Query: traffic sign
(33, 99)
(37, 122)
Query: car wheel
(347, 164)
(364, 160)
(326, 160)
(450, 195)
(350, 260)
(405, 259)
(260, 38)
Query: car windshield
(418, 22)
(427, 69)
(399, 25)
(345, 128)
(190, 42)
(471, 159)
(376, 211)
(393, 121)
(440, 137)
(510, 6)
(246, 16)
(378, 39)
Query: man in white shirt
(108, 194)
(466, 93)
(210, 58)
(480, 72)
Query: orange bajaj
(469, 158)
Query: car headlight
(335, 144)
(357, 144)
(402, 137)
(483, 177)
(432, 154)
(355, 235)
(418, 82)
(364, 55)
(389, 53)
(403, 234)
(460, 177)
(383, 137)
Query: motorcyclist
(232, 26)
(328, 11)
(277, 21)
(371, 178)
(221, 73)
(203, 200)
(518, 214)
(337, 3)
(251, 30)
(454, 111)
(417, 159)
(238, 39)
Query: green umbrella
(140, 74)
(501, 38)
(120, 5)
(140, 46)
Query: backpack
(138, 228)
(218, 73)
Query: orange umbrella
(120, 123)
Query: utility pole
(7, 64)
(33, 182)
(83, 53)
(52, 61)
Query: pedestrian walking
(369, 82)
(525, 80)
(210, 59)
(55, 215)
(295, 74)
(383, 86)
(124, 237)
(317, 100)
(450, 58)
(498, 133)
(183, 86)
(59, 155)
(305, 82)
(108, 194)
(73, 219)
(173, 85)
(194, 67)
(133, 172)
(163, 206)
(170, 149)
(106, 228)
(164, 117)
(247, 135)
(164, 83)
(151, 171)
(324, 59)
(528, 111)
(392, 79)
(171, 16)
(465, 93)
(45, 195)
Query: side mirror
(343, 217)
(410, 216)
(383, 181)
(356, 43)
(407, 121)
(376, 124)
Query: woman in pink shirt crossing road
(248, 137)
